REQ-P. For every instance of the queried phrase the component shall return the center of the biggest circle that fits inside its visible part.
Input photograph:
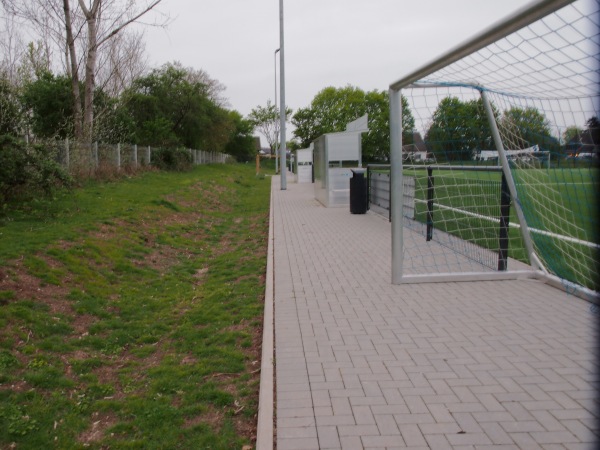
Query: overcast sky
(364, 43)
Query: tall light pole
(282, 117)
(276, 146)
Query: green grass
(561, 201)
(131, 313)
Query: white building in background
(492, 155)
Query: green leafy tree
(330, 110)
(112, 121)
(579, 140)
(459, 130)
(169, 107)
(242, 144)
(333, 108)
(28, 171)
(376, 143)
(525, 127)
(571, 133)
(49, 103)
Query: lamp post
(282, 117)
(276, 146)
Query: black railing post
(430, 195)
(504, 224)
(368, 187)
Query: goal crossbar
(519, 19)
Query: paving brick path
(363, 364)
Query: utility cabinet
(303, 165)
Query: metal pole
(276, 146)
(396, 190)
(282, 117)
(533, 260)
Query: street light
(276, 146)
(282, 117)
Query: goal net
(507, 137)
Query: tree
(49, 103)
(572, 135)
(583, 141)
(266, 119)
(329, 111)
(88, 26)
(524, 128)
(11, 48)
(10, 108)
(122, 61)
(168, 109)
(242, 144)
(117, 19)
(376, 143)
(593, 129)
(333, 108)
(459, 130)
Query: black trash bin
(358, 192)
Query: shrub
(27, 171)
(176, 159)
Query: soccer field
(559, 205)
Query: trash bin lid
(358, 171)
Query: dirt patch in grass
(100, 422)
(16, 278)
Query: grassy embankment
(131, 313)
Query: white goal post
(519, 101)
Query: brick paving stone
(468, 439)
(361, 363)
(297, 432)
(351, 443)
(363, 415)
(437, 442)
(496, 433)
(412, 435)
(297, 444)
(328, 437)
(385, 442)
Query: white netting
(542, 82)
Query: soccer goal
(499, 179)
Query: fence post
(135, 156)
(95, 151)
(67, 162)
(148, 156)
(118, 156)
(368, 187)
